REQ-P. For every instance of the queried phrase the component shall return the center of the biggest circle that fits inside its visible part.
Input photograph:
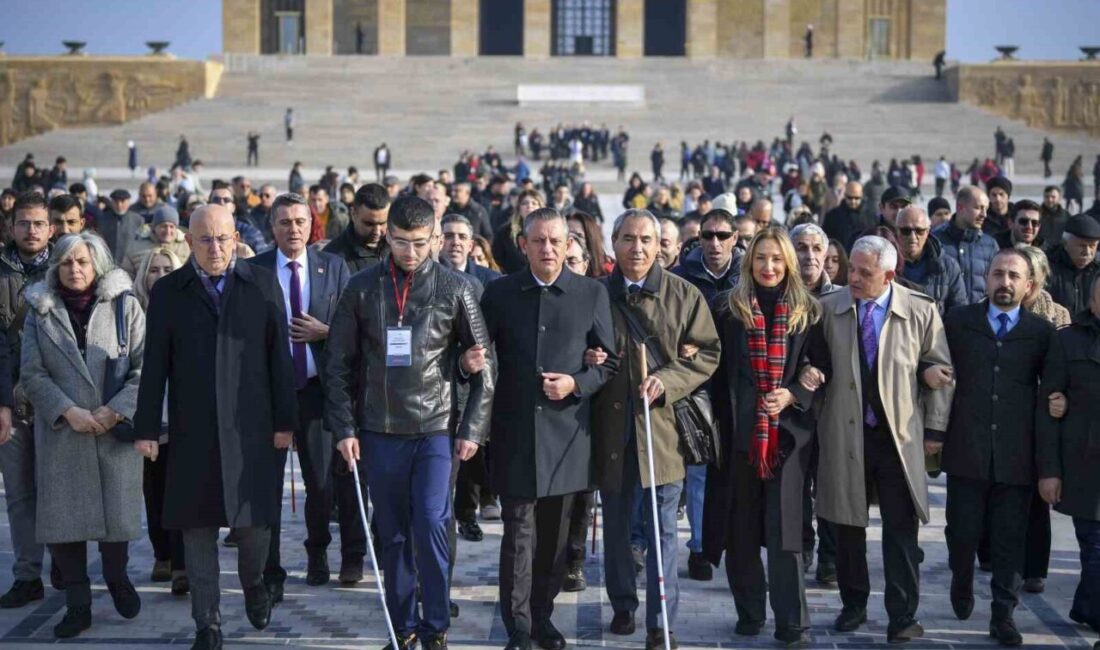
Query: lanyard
(400, 298)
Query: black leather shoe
(55, 577)
(77, 619)
(792, 637)
(655, 639)
(962, 599)
(904, 631)
(1035, 585)
(849, 620)
(453, 609)
(825, 574)
(438, 642)
(258, 608)
(699, 568)
(351, 571)
(230, 540)
(1005, 632)
(21, 593)
(317, 571)
(747, 628)
(547, 636)
(208, 638)
(127, 601)
(275, 590)
(470, 531)
(181, 586)
(622, 623)
(162, 571)
(574, 580)
(404, 642)
(519, 641)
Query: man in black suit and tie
(999, 352)
(310, 283)
(458, 243)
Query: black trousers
(971, 503)
(826, 532)
(472, 485)
(901, 555)
(72, 559)
(326, 478)
(580, 520)
(757, 521)
(532, 558)
(1037, 549)
(167, 544)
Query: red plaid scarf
(768, 355)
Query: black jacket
(691, 268)
(230, 387)
(506, 250)
(973, 250)
(943, 280)
(733, 396)
(477, 215)
(1067, 284)
(996, 414)
(1053, 224)
(541, 447)
(14, 277)
(1073, 454)
(845, 225)
(362, 393)
(350, 247)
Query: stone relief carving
(1064, 100)
(34, 100)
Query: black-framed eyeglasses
(720, 235)
(909, 232)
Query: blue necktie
(1002, 331)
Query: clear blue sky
(1044, 29)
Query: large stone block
(740, 30)
(318, 21)
(428, 27)
(536, 28)
(702, 28)
(1056, 95)
(391, 27)
(39, 94)
(777, 29)
(465, 18)
(851, 25)
(629, 28)
(928, 29)
(241, 26)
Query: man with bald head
(219, 338)
(761, 212)
(964, 241)
(848, 219)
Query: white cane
(653, 503)
(373, 557)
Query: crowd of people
(469, 344)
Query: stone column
(777, 29)
(241, 26)
(851, 25)
(702, 28)
(391, 27)
(536, 28)
(629, 29)
(318, 27)
(465, 19)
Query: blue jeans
(409, 482)
(618, 509)
(696, 486)
(1086, 601)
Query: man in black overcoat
(999, 352)
(217, 336)
(541, 320)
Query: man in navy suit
(458, 243)
(310, 282)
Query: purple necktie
(870, 351)
(298, 348)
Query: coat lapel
(58, 328)
(318, 286)
(847, 310)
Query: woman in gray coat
(89, 481)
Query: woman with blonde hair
(1039, 301)
(157, 263)
(482, 254)
(506, 248)
(754, 498)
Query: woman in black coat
(755, 498)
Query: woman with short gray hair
(80, 371)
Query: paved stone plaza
(336, 617)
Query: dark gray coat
(996, 413)
(232, 388)
(541, 447)
(89, 487)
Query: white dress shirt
(284, 274)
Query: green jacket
(675, 313)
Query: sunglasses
(1028, 223)
(720, 235)
(908, 232)
(220, 200)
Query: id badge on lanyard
(399, 339)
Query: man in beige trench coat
(881, 352)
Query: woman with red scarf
(754, 498)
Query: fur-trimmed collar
(40, 296)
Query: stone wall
(39, 94)
(428, 27)
(1055, 95)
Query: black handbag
(118, 369)
(695, 426)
